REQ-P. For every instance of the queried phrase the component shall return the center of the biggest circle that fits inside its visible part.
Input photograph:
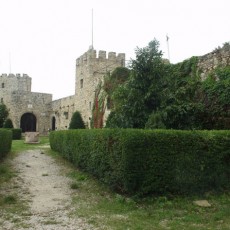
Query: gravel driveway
(42, 184)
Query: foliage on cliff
(161, 95)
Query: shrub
(142, 162)
(76, 121)
(5, 142)
(17, 134)
(8, 124)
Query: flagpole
(92, 29)
(167, 40)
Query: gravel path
(40, 182)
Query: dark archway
(53, 123)
(28, 122)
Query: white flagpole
(167, 40)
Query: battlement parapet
(91, 56)
(17, 75)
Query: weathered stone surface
(31, 137)
(202, 203)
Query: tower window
(3, 85)
(81, 83)
(1, 100)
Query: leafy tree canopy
(135, 100)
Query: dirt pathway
(40, 182)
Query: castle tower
(90, 70)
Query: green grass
(19, 145)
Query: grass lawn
(107, 210)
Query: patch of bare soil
(40, 182)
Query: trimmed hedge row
(16, 133)
(5, 142)
(141, 162)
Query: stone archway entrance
(53, 123)
(28, 122)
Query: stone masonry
(38, 112)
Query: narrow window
(90, 105)
(81, 83)
(1, 100)
(66, 114)
(3, 85)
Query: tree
(3, 114)
(76, 121)
(8, 124)
(135, 100)
(181, 107)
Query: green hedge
(16, 133)
(5, 142)
(141, 162)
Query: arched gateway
(28, 122)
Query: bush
(142, 162)
(8, 124)
(5, 142)
(16, 133)
(76, 121)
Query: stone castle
(32, 111)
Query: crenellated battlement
(12, 82)
(17, 75)
(91, 56)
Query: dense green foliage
(135, 100)
(76, 121)
(140, 162)
(17, 134)
(3, 114)
(8, 124)
(5, 142)
(216, 99)
(162, 95)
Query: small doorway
(28, 122)
(53, 123)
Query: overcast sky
(43, 38)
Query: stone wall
(15, 93)
(90, 70)
(62, 111)
(38, 104)
(218, 58)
